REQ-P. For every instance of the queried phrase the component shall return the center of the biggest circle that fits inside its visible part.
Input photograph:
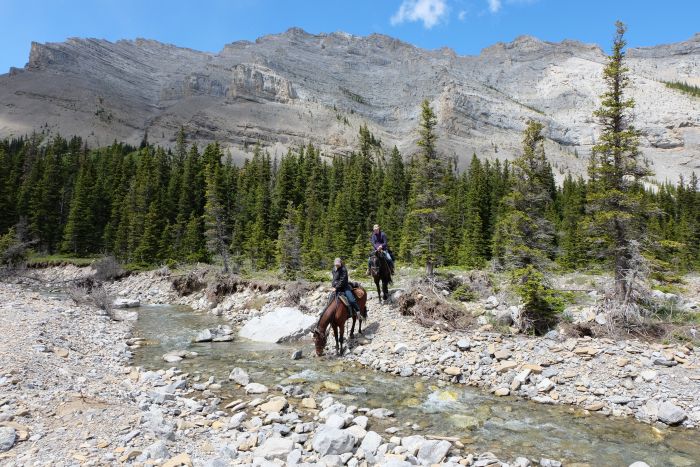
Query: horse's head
(375, 263)
(319, 341)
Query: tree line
(151, 206)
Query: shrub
(541, 304)
(13, 252)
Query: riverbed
(507, 427)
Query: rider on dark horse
(380, 243)
(341, 284)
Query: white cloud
(462, 15)
(496, 5)
(431, 12)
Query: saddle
(356, 288)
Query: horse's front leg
(379, 291)
(342, 338)
(386, 289)
(352, 329)
(335, 333)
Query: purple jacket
(379, 240)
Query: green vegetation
(684, 87)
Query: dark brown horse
(379, 268)
(335, 315)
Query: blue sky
(467, 26)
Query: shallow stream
(505, 426)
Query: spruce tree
(392, 199)
(615, 198)
(215, 220)
(474, 249)
(79, 237)
(524, 235)
(427, 198)
(289, 243)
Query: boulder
(280, 325)
(157, 450)
(8, 437)
(433, 451)
(671, 414)
(463, 344)
(275, 448)
(204, 335)
(336, 421)
(239, 376)
(125, 303)
(413, 443)
(255, 388)
(276, 404)
(329, 440)
(380, 413)
(371, 443)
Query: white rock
(239, 376)
(275, 448)
(433, 451)
(281, 325)
(237, 419)
(255, 388)
(400, 348)
(648, 375)
(371, 443)
(8, 437)
(329, 440)
(413, 443)
(361, 421)
(336, 421)
(125, 303)
(671, 414)
(545, 385)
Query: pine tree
(148, 251)
(615, 199)
(524, 235)
(193, 247)
(573, 244)
(79, 237)
(474, 249)
(215, 220)
(428, 197)
(289, 243)
(392, 199)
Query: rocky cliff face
(288, 89)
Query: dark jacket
(340, 279)
(379, 240)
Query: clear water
(504, 426)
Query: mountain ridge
(287, 89)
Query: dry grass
(430, 309)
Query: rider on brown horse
(381, 244)
(341, 284)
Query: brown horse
(335, 315)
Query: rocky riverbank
(653, 382)
(68, 394)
